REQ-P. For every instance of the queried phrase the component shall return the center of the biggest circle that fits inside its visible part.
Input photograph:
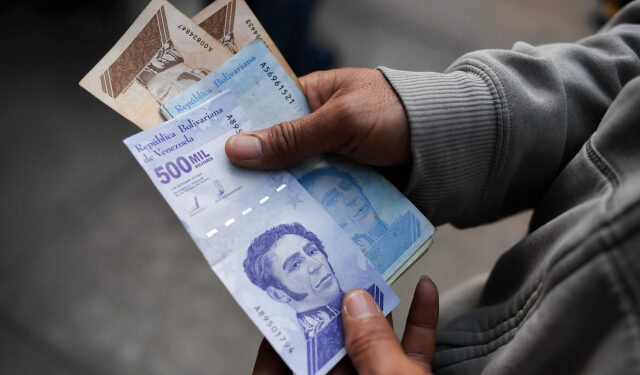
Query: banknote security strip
(244, 213)
(388, 229)
(285, 261)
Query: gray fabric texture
(555, 128)
(492, 133)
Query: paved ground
(96, 273)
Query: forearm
(491, 134)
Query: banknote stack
(286, 244)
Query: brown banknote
(235, 26)
(160, 55)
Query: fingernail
(359, 304)
(425, 277)
(246, 147)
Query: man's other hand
(356, 112)
(372, 346)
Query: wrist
(453, 134)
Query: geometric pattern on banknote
(152, 60)
(220, 25)
(218, 19)
(136, 56)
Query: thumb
(287, 142)
(369, 339)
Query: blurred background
(97, 276)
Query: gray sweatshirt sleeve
(490, 134)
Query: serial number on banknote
(234, 124)
(271, 326)
(279, 85)
(253, 29)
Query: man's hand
(370, 341)
(356, 112)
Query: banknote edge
(199, 18)
(409, 262)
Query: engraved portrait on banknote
(363, 206)
(291, 265)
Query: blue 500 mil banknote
(378, 218)
(286, 262)
(256, 78)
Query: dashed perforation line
(247, 211)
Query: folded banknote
(233, 23)
(285, 261)
(160, 55)
(379, 219)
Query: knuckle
(309, 82)
(419, 359)
(283, 139)
(346, 110)
(365, 341)
(341, 106)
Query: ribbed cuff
(453, 121)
